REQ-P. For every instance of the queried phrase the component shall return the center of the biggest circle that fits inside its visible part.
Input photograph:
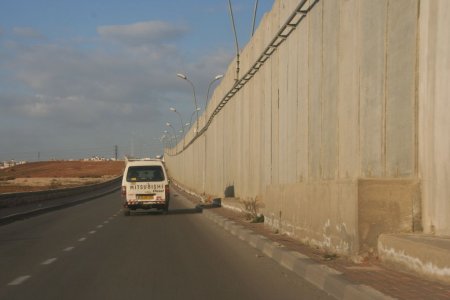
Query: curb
(325, 278)
(322, 276)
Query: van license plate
(145, 197)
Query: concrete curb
(41, 207)
(327, 279)
(322, 276)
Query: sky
(78, 77)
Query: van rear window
(145, 173)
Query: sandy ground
(53, 175)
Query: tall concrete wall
(434, 108)
(326, 131)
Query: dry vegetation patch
(57, 174)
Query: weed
(329, 256)
(251, 207)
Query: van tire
(126, 212)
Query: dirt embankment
(57, 174)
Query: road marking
(19, 280)
(69, 249)
(82, 239)
(49, 261)
(99, 226)
(106, 222)
(92, 232)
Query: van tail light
(167, 190)
(124, 191)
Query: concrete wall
(333, 108)
(434, 108)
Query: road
(92, 251)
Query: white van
(145, 185)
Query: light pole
(182, 76)
(162, 140)
(181, 122)
(220, 76)
(181, 119)
(195, 111)
(174, 134)
(168, 138)
(235, 41)
(254, 17)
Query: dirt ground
(57, 174)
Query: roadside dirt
(39, 176)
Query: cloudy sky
(78, 77)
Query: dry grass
(57, 174)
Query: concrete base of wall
(386, 206)
(233, 204)
(345, 217)
(320, 214)
(428, 256)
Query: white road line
(49, 261)
(99, 226)
(82, 239)
(69, 249)
(92, 232)
(106, 222)
(19, 280)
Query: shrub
(251, 208)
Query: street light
(235, 41)
(254, 17)
(162, 140)
(174, 132)
(195, 111)
(167, 136)
(181, 119)
(184, 77)
(212, 81)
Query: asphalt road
(92, 251)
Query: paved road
(92, 251)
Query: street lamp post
(182, 76)
(181, 119)
(174, 134)
(192, 115)
(235, 40)
(166, 135)
(209, 86)
(254, 16)
(181, 122)
(162, 140)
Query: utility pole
(235, 40)
(116, 151)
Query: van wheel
(126, 212)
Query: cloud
(142, 33)
(67, 94)
(27, 32)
